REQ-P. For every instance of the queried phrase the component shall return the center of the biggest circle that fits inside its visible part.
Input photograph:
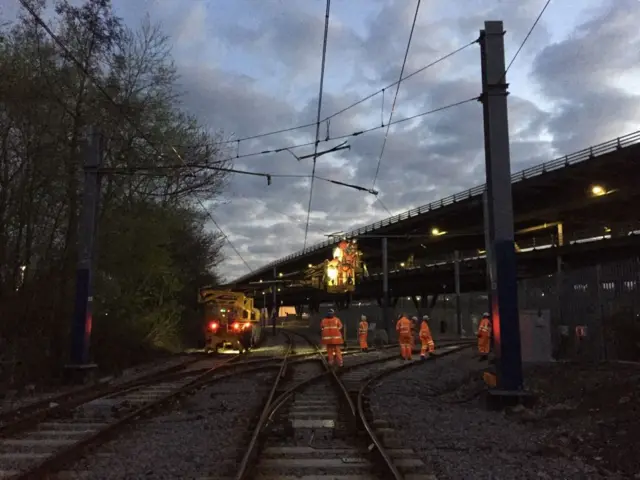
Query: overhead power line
(349, 135)
(149, 171)
(354, 104)
(93, 80)
(384, 206)
(395, 97)
(315, 147)
(535, 23)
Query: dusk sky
(253, 66)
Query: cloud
(251, 66)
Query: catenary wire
(315, 146)
(353, 134)
(88, 75)
(384, 206)
(535, 23)
(524, 41)
(395, 97)
(357, 102)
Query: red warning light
(213, 326)
(235, 326)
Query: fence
(595, 311)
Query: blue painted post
(505, 315)
(82, 318)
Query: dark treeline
(152, 249)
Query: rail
(544, 168)
(59, 458)
(363, 416)
(32, 413)
(244, 463)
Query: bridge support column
(420, 302)
(385, 287)
(345, 302)
(506, 329)
(456, 278)
(274, 313)
(314, 305)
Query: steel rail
(30, 414)
(287, 394)
(58, 459)
(367, 383)
(244, 463)
(274, 404)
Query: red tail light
(235, 326)
(213, 326)
(246, 326)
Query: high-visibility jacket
(363, 328)
(425, 332)
(484, 328)
(403, 327)
(331, 331)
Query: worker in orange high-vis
(403, 328)
(484, 336)
(331, 328)
(363, 332)
(427, 344)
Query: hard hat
(485, 315)
(425, 317)
(414, 318)
(363, 317)
(331, 311)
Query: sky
(253, 66)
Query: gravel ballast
(201, 438)
(441, 415)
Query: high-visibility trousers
(428, 345)
(362, 339)
(405, 345)
(334, 353)
(484, 344)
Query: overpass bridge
(570, 213)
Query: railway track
(309, 425)
(37, 441)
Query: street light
(598, 191)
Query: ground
(589, 410)
(585, 424)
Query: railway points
(310, 429)
(426, 417)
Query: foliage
(152, 246)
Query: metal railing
(547, 167)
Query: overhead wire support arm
(349, 185)
(342, 146)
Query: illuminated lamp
(332, 274)
(598, 191)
